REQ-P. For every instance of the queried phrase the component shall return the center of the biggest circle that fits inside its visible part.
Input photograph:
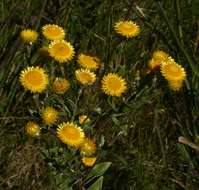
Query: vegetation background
(138, 134)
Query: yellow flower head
(88, 62)
(70, 134)
(49, 115)
(113, 85)
(85, 76)
(34, 79)
(89, 161)
(173, 71)
(128, 29)
(83, 119)
(88, 146)
(32, 129)
(29, 35)
(53, 32)
(61, 51)
(60, 85)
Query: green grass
(139, 132)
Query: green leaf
(98, 169)
(97, 185)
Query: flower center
(54, 31)
(34, 78)
(89, 61)
(173, 70)
(71, 133)
(127, 27)
(114, 84)
(62, 49)
(85, 77)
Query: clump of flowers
(53, 32)
(85, 76)
(70, 134)
(34, 79)
(127, 29)
(32, 129)
(28, 35)
(61, 50)
(88, 62)
(113, 85)
(174, 73)
(60, 85)
(89, 161)
(49, 115)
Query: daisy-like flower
(173, 73)
(83, 119)
(70, 134)
(61, 50)
(89, 161)
(113, 85)
(88, 146)
(53, 32)
(128, 29)
(32, 129)
(88, 62)
(34, 79)
(85, 77)
(49, 115)
(60, 85)
(29, 35)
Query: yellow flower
(34, 79)
(83, 119)
(173, 71)
(32, 129)
(70, 134)
(113, 85)
(88, 146)
(128, 29)
(89, 161)
(28, 35)
(85, 76)
(60, 85)
(49, 115)
(88, 62)
(61, 51)
(53, 32)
